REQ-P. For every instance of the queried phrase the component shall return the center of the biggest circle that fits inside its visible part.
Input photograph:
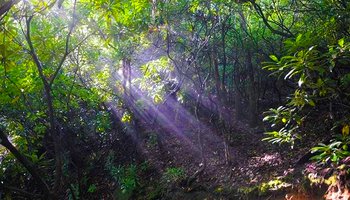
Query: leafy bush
(170, 178)
(322, 83)
(320, 102)
(125, 176)
(173, 174)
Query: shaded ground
(257, 169)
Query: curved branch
(22, 192)
(66, 52)
(261, 14)
(25, 162)
(49, 101)
(6, 6)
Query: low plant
(173, 174)
(125, 176)
(152, 140)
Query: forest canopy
(173, 99)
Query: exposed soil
(174, 142)
(252, 163)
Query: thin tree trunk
(26, 163)
(224, 61)
(250, 71)
(126, 78)
(216, 73)
(237, 95)
(6, 6)
(54, 133)
(203, 163)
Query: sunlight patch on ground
(172, 117)
(267, 160)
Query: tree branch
(23, 192)
(261, 14)
(6, 6)
(49, 100)
(33, 53)
(25, 162)
(66, 52)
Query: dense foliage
(84, 82)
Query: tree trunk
(6, 6)
(237, 95)
(203, 163)
(26, 163)
(54, 133)
(238, 104)
(252, 93)
(224, 61)
(252, 101)
(215, 64)
(126, 78)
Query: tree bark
(54, 133)
(224, 61)
(215, 64)
(6, 6)
(253, 112)
(126, 78)
(266, 22)
(26, 163)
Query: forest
(175, 99)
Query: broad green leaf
(341, 42)
(274, 58)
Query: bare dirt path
(253, 162)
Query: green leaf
(92, 188)
(341, 42)
(274, 58)
(335, 144)
(298, 38)
(301, 80)
(311, 102)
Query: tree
(45, 58)
(315, 61)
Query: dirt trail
(253, 161)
